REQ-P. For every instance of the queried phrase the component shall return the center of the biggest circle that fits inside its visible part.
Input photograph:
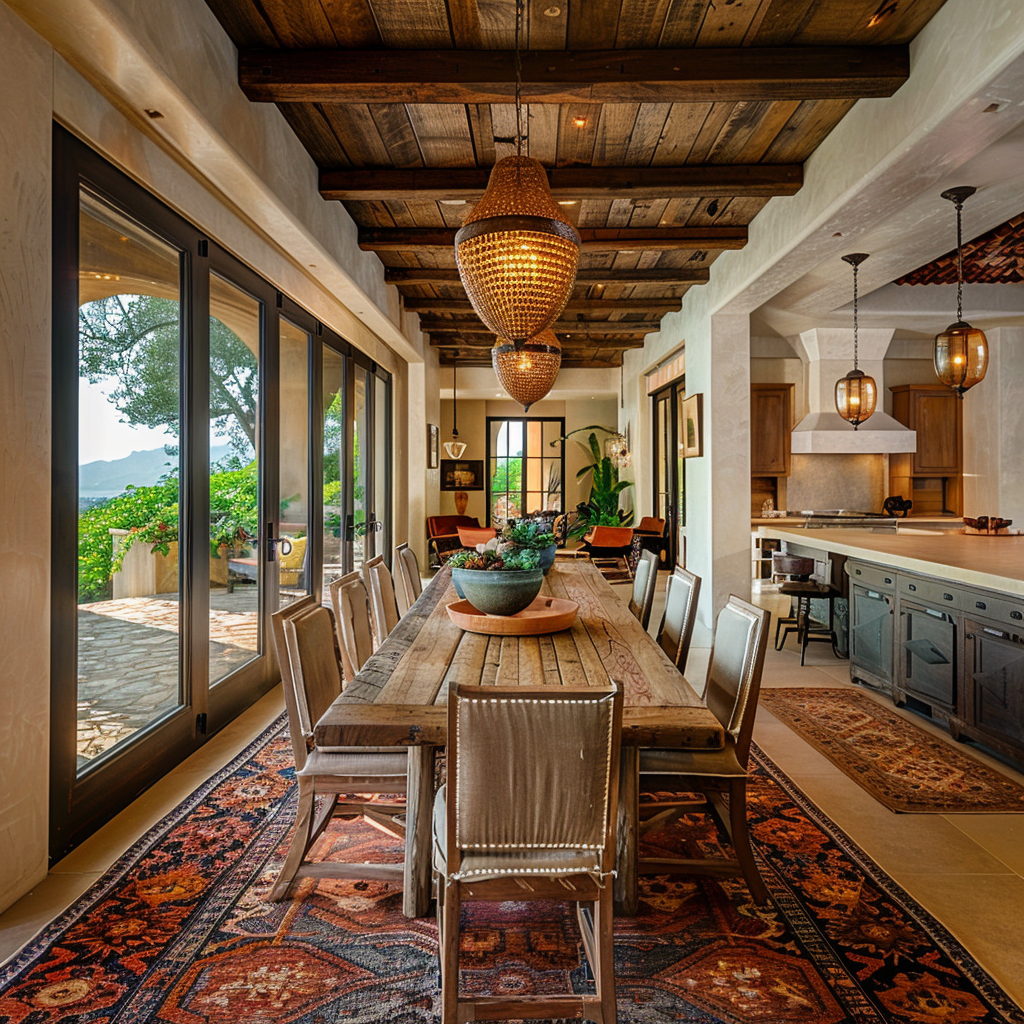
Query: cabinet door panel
(927, 663)
(995, 671)
(871, 632)
(936, 420)
(770, 425)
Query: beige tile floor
(967, 870)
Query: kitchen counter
(993, 563)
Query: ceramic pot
(547, 557)
(461, 501)
(498, 592)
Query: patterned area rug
(900, 765)
(178, 931)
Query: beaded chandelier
(961, 351)
(517, 252)
(527, 371)
(856, 393)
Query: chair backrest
(297, 608)
(651, 525)
(383, 603)
(470, 536)
(610, 537)
(352, 616)
(410, 585)
(316, 673)
(439, 526)
(680, 615)
(645, 580)
(734, 675)
(533, 767)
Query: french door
(669, 477)
(191, 422)
(525, 466)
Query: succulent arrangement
(492, 559)
(529, 535)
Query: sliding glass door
(200, 422)
(669, 476)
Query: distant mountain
(104, 479)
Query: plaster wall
(26, 85)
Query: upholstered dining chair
(536, 824)
(676, 632)
(410, 584)
(352, 618)
(645, 582)
(383, 604)
(313, 678)
(731, 692)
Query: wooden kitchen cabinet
(932, 477)
(771, 421)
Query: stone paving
(128, 656)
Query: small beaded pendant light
(527, 371)
(517, 252)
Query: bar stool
(789, 568)
(806, 631)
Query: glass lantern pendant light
(527, 371)
(517, 252)
(455, 448)
(961, 351)
(856, 393)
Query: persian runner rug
(899, 764)
(179, 931)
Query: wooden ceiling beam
(658, 275)
(479, 342)
(593, 239)
(701, 75)
(572, 306)
(699, 181)
(588, 327)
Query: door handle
(276, 545)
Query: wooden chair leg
(741, 840)
(604, 969)
(450, 955)
(301, 840)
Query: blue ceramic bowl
(499, 591)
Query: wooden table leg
(628, 831)
(418, 812)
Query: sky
(101, 433)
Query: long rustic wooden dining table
(399, 699)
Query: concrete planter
(498, 592)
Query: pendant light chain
(855, 325)
(959, 262)
(455, 405)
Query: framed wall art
(433, 445)
(691, 432)
(457, 475)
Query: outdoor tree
(134, 341)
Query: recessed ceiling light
(579, 122)
(566, 202)
(497, 394)
(552, 12)
(452, 202)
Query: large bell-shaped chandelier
(527, 371)
(856, 393)
(517, 252)
(961, 351)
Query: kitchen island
(936, 622)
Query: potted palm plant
(497, 582)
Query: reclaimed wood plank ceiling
(666, 126)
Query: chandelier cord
(455, 405)
(519, 81)
(959, 263)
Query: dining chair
(383, 603)
(536, 825)
(410, 583)
(676, 632)
(645, 582)
(342, 775)
(731, 692)
(352, 618)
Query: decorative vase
(547, 557)
(498, 592)
(461, 500)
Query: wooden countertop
(994, 563)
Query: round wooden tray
(542, 615)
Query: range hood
(828, 355)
